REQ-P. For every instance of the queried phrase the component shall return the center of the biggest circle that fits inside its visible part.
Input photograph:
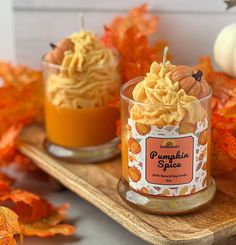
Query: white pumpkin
(225, 50)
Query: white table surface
(93, 227)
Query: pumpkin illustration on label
(134, 145)
(134, 174)
(186, 128)
(142, 129)
(144, 190)
(202, 139)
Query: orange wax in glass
(82, 127)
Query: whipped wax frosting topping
(165, 103)
(89, 75)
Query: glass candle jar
(165, 168)
(84, 133)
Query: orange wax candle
(82, 127)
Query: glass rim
(98, 66)
(140, 78)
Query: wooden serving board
(97, 183)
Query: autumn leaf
(8, 138)
(137, 17)
(6, 238)
(28, 206)
(223, 139)
(205, 65)
(130, 35)
(9, 226)
(5, 182)
(21, 103)
(223, 87)
(49, 226)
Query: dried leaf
(9, 225)
(6, 238)
(223, 87)
(28, 206)
(137, 17)
(21, 103)
(5, 182)
(8, 138)
(205, 65)
(49, 226)
(130, 35)
(223, 118)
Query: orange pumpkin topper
(57, 53)
(134, 146)
(191, 80)
(134, 174)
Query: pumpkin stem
(53, 45)
(164, 56)
(198, 75)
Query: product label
(166, 161)
(169, 160)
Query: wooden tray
(97, 184)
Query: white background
(190, 26)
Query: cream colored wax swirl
(165, 103)
(88, 76)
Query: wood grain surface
(97, 183)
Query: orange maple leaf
(21, 103)
(49, 226)
(223, 118)
(35, 215)
(137, 17)
(130, 35)
(6, 238)
(8, 138)
(9, 226)
(28, 206)
(205, 65)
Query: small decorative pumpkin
(225, 49)
(191, 80)
(56, 55)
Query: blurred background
(29, 26)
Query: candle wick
(165, 56)
(82, 21)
